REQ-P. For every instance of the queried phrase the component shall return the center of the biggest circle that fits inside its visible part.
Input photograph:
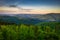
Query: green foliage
(41, 31)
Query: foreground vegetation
(40, 31)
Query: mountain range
(29, 18)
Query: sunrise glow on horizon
(29, 7)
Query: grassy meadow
(40, 31)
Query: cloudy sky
(29, 6)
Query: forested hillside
(40, 31)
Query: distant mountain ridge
(29, 18)
(50, 17)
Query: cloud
(20, 8)
(14, 9)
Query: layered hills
(29, 18)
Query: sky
(29, 6)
